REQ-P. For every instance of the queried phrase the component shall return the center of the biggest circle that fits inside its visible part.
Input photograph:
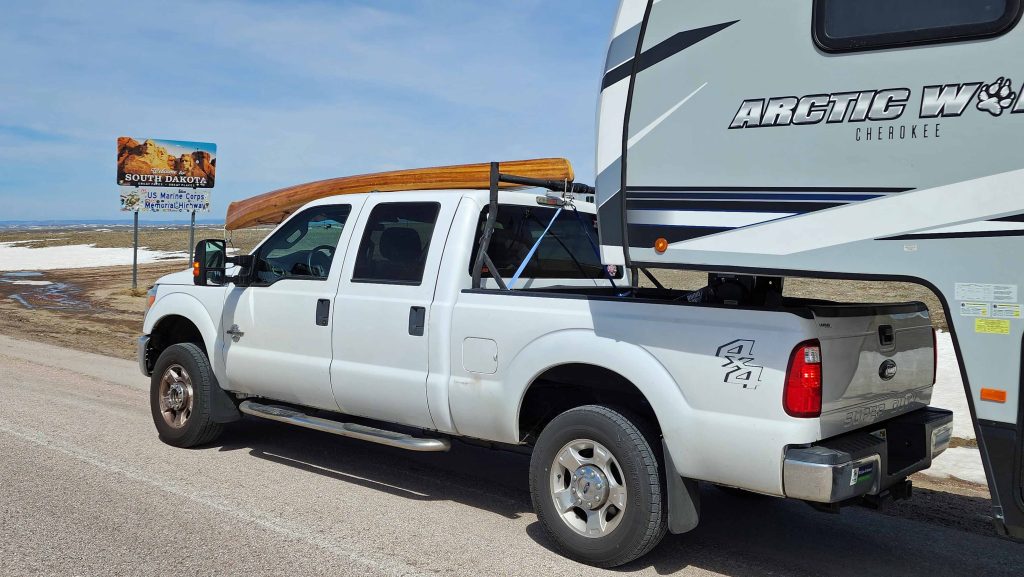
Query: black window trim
(959, 33)
(423, 273)
(259, 250)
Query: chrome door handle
(235, 333)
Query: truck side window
(395, 243)
(853, 25)
(564, 253)
(304, 246)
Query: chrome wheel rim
(176, 396)
(588, 488)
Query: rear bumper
(869, 461)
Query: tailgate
(878, 361)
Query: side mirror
(209, 262)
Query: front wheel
(596, 486)
(179, 396)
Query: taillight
(935, 356)
(801, 396)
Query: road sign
(166, 163)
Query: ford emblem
(887, 370)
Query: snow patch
(21, 258)
(27, 282)
(949, 388)
(958, 463)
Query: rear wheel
(596, 486)
(180, 396)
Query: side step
(380, 436)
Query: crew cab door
(277, 341)
(383, 308)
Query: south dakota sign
(165, 163)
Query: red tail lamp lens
(802, 394)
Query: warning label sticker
(1005, 311)
(992, 326)
(999, 293)
(974, 309)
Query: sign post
(135, 253)
(164, 176)
(192, 236)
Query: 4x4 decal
(740, 362)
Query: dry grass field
(94, 309)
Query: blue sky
(289, 91)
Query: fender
(675, 416)
(648, 375)
(222, 407)
(188, 306)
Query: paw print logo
(996, 97)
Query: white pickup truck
(357, 316)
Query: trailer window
(853, 25)
(396, 242)
(564, 253)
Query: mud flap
(222, 407)
(683, 497)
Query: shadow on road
(935, 534)
(494, 481)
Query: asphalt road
(86, 488)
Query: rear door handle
(417, 319)
(323, 312)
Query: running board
(362, 432)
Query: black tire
(197, 428)
(634, 447)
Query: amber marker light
(195, 268)
(993, 395)
(660, 245)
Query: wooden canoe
(273, 207)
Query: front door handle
(417, 319)
(323, 312)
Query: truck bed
(861, 343)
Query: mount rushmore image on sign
(172, 163)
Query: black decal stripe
(733, 206)
(851, 189)
(967, 234)
(644, 235)
(665, 49)
(1014, 218)
(624, 158)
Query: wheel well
(171, 330)
(564, 387)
